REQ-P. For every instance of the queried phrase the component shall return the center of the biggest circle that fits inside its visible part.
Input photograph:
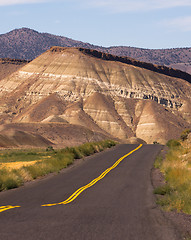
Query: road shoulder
(181, 221)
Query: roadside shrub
(87, 149)
(61, 161)
(108, 143)
(185, 134)
(38, 170)
(50, 149)
(10, 183)
(162, 190)
(163, 202)
(73, 150)
(173, 143)
(9, 180)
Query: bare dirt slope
(58, 135)
(15, 138)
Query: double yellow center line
(93, 182)
(80, 190)
(5, 208)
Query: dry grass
(177, 172)
(17, 167)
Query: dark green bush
(10, 183)
(155, 142)
(162, 190)
(50, 149)
(73, 150)
(87, 149)
(173, 143)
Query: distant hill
(27, 44)
(179, 58)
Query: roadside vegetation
(20, 166)
(175, 194)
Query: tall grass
(9, 180)
(51, 161)
(176, 168)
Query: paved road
(120, 206)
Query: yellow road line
(5, 208)
(93, 182)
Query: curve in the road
(80, 190)
(93, 182)
(120, 206)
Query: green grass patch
(51, 161)
(7, 156)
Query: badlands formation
(71, 95)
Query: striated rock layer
(72, 86)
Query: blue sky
(135, 23)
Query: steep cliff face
(71, 85)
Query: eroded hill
(67, 86)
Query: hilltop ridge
(25, 43)
(109, 57)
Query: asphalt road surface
(120, 206)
